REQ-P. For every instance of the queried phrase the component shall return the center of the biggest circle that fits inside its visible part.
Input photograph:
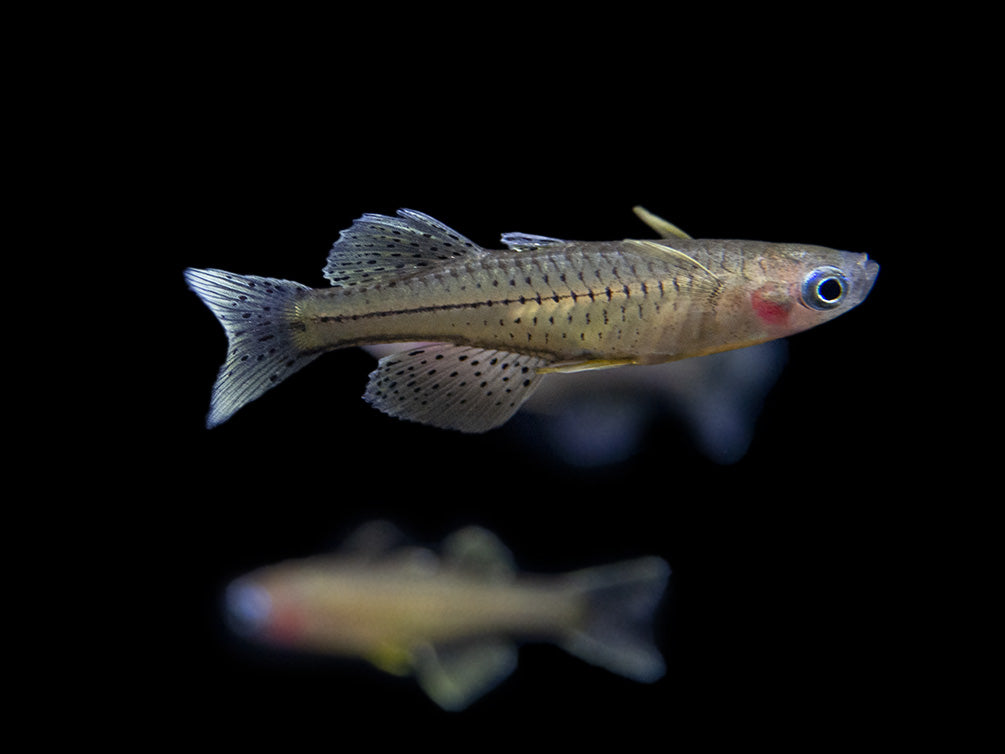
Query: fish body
(496, 321)
(452, 620)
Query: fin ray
(664, 228)
(454, 387)
(700, 274)
(527, 241)
(256, 314)
(570, 367)
(378, 248)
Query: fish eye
(824, 288)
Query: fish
(452, 619)
(493, 323)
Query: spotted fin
(257, 314)
(453, 387)
(664, 228)
(376, 248)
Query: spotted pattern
(455, 387)
(257, 316)
(377, 247)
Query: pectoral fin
(391, 658)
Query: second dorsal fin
(377, 248)
(527, 241)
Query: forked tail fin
(617, 630)
(257, 314)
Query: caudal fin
(617, 630)
(257, 314)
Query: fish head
(795, 287)
(309, 604)
(255, 611)
(282, 605)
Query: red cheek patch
(771, 306)
(285, 626)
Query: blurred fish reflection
(593, 419)
(601, 419)
(451, 619)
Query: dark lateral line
(556, 297)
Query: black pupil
(829, 289)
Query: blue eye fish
(452, 619)
(494, 323)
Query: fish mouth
(248, 607)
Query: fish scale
(494, 322)
(559, 303)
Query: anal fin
(454, 676)
(454, 387)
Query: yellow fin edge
(664, 228)
(568, 367)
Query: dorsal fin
(701, 275)
(478, 552)
(372, 540)
(664, 228)
(527, 241)
(382, 543)
(377, 248)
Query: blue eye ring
(824, 288)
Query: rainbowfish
(493, 323)
(451, 620)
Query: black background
(790, 567)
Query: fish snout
(870, 268)
(867, 271)
(248, 607)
